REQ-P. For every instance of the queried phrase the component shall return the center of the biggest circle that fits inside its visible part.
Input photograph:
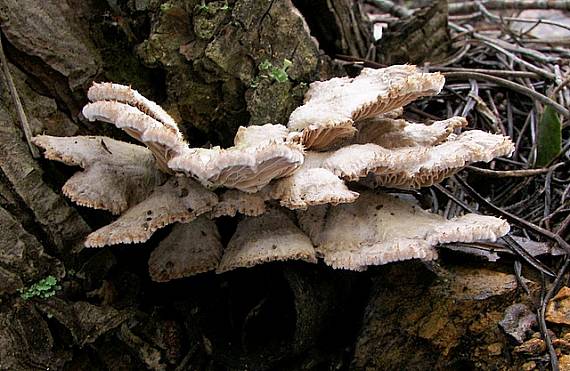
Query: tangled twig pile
(346, 135)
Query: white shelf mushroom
(117, 175)
(178, 200)
(188, 250)
(268, 163)
(269, 237)
(331, 107)
(379, 229)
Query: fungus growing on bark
(331, 107)
(178, 200)
(116, 176)
(269, 237)
(311, 185)
(124, 94)
(139, 117)
(378, 229)
(255, 135)
(189, 249)
(248, 169)
(260, 155)
(268, 163)
(233, 201)
(419, 166)
(391, 133)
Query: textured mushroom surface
(233, 201)
(270, 237)
(311, 185)
(413, 167)
(379, 228)
(268, 163)
(255, 135)
(162, 140)
(390, 133)
(190, 248)
(116, 176)
(331, 107)
(125, 94)
(178, 200)
(247, 168)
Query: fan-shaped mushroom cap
(245, 168)
(124, 94)
(412, 167)
(269, 237)
(117, 175)
(178, 200)
(379, 229)
(233, 201)
(162, 140)
(311, 185)
(390, 133)
(190, 248)
(256, 135)
(332, 106)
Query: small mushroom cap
(124, 94)
(256, 135)
(413, 167)
(308, 187)
(390, 133)
(332, 106)
(233, 201)
(162, 140)
(117, 175)
(247, 169)
(179, 200)
(190, 249)
(379, 229)
(311, 185)
(270, 237)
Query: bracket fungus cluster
(347, 135)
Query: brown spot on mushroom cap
(233, 201)
(412, 167)
(331, 107)
(390, 133)
(190, 248)
(125, 94)
(353, 236)
(166, 204)
(245, 168)
(269, 237)
(159, 138)
(117, 175)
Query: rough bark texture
(416, 320)
(418, 39)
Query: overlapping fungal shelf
(348, 130)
